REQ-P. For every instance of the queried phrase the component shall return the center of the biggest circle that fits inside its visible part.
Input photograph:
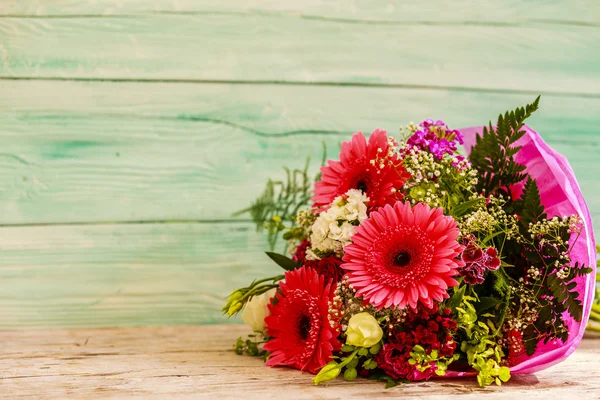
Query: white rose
(256, 309)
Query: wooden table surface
(198, 362)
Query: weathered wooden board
(116, 191)
(198, 362)
(534, 57)
(98, 152)
(123, 275)
(578, 12)
(126, 274)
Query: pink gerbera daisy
(403, 256)
(302, 334)
(371, 168)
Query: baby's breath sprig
(442, 183)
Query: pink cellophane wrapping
(561, 196)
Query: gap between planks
(307, 83)
(135, 222)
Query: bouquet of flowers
(416, 257)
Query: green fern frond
(532, 209)
(564, 290)
(494, 151)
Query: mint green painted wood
(133, 151)
(537, 57)
(508, 11)
(70, 276)
(116, 193)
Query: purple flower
(436, 138)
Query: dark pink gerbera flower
(369, 167)
(302, 335)
(404, 255)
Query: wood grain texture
(101, 152)
(230, 47)
(131, 130)
(198, 362)
(506, 12)
(123, 275)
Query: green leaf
(491, 236)
(369, 364)
(463, 208)
(392, 383)
(501, 284)
(353, 363)
(347, 348)
(284, 262)
(457, 297)
(350, 374)
(485, 303)
(375, 348)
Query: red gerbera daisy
(403, 255)
(370, 168)
(302, 335)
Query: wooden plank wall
(131, 130)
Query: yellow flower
(363, 330)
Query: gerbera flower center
(303, 327)
(402, 259)
(362, 186)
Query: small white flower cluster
(552, 227)
(435, 181)
(408, 130)
(524, 308)
(421, 165)
(381, 158)
(333, 228)
(563, 273)
(305, 218)
(335, 312)
(491, 218)
(534, 273)
(479, 221)
(352, 305)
